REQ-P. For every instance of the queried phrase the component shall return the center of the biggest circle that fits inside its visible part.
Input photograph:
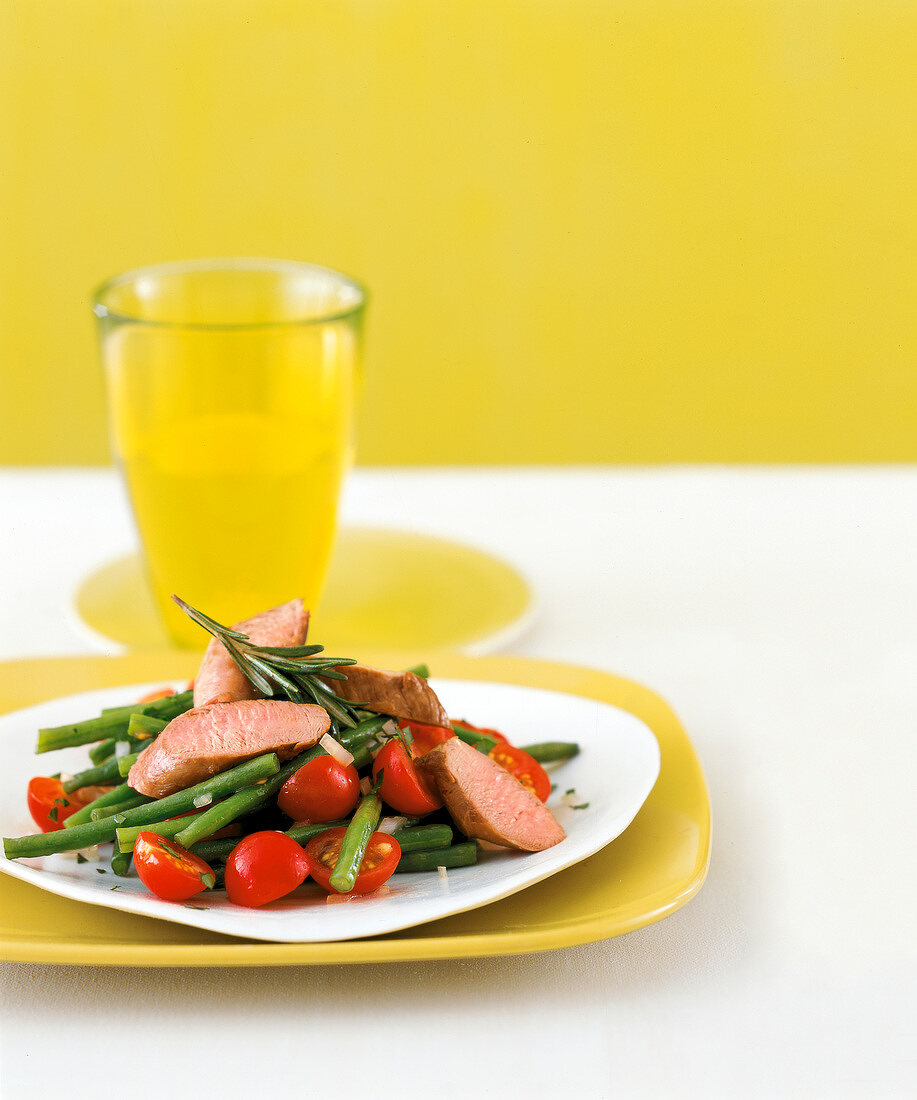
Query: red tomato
(322, 790)
(524, 767)
(264, 867)
(403, 787)
(498, 737)
(423, 737)
(379, 863)
(49, 805)
(162, 693)
(168, 870)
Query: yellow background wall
(593, 230)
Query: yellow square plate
(654, 867)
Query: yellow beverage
(234, 437)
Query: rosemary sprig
(291, 671)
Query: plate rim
(677, 754)
(481, 642)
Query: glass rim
(103, 311)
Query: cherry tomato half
(497, 736)
(382, 855)
(403, 787)
(49, 805)
(424, 737)
(524, 767)
(322, 790)
(168, 870)
(263, 867)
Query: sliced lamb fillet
(220, 680)
(401, 694)
(486, 802)
(207, 740)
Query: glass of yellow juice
(231, 387)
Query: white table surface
(776, 610)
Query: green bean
(95, 832)
(302, 834)
(218, 786)
(219, 816)
(99, 813)
(143, 727)
(221, 847)
(546, 752)
(422, 838)
(62, 840)
(110, 798)
(126, 835)
(364, 729)
(93, 729)
(459, 855)
(480, 741)
(167, 708)
(125, 763)
(101, 752)
(111, 724)
(353, 843)
(100, 775)
(121, 862)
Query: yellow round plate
(652, 869)
(386, 588)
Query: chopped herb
(52, 814)
(571, 791)
(115, 887)
(203, 908)
(80, 858)
(553, 787)
(581, 806)
(100, 870)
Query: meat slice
(488, 803)
(401, 694)
(220, 679)
(207, 740)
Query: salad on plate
(280, 764)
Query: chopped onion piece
(122, 748)
(391, 728)
(89, 855)
(336, 749)
(202, 800)
(366, 785)
(442, 872)
(391, 825)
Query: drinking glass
(231, 386)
